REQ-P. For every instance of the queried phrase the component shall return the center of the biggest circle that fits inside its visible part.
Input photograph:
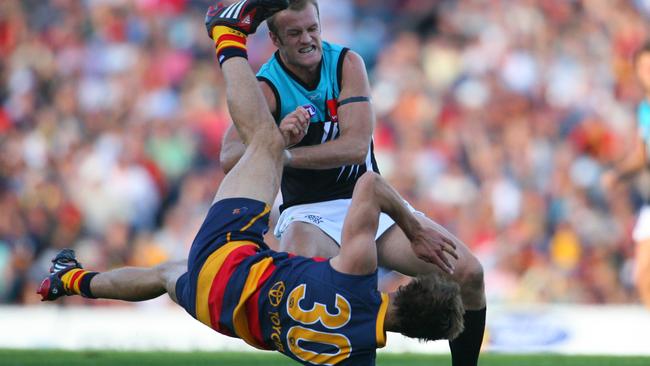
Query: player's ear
(277, 42)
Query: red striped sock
(77, 282)
(229, 43)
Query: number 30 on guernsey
(318, 313)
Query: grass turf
(100, 358)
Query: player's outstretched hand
(433, 247)
(294, 126)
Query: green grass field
(101, 358)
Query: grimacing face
(643, 71)
(298, 38)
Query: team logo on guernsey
(311, 109)
(237, 211)
(332, 110)
(276, 293)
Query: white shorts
(328, 216)
(642, 227)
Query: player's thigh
(307, 240)
(256, 175)
(394, 252)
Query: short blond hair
(295, 5)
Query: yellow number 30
(318, 313)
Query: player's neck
(308, 75)
(390, 321)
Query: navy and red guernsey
(298, 306)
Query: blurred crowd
(495, 118)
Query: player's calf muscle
(128, 284)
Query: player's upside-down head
(428, 308)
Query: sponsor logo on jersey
(314, 97)
(311, 109)
(275, 298)
(275, 293)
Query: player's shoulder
(353, 59)
(352, 70)
(333, 47)
(269, 65)
(336, 52)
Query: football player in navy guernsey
(316, 311)
(331, 82)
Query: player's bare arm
(232, 149)
(373, 195)
(356, 123)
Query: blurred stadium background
(495, 118)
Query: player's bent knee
(367, 180)
(169, 272)
(471, 277)
(365, 184)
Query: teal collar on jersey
(295, 77)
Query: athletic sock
(229, 43)
(466, 347)
(77, 282)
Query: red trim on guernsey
(215, 299)
(252, 310)
(332, 108)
